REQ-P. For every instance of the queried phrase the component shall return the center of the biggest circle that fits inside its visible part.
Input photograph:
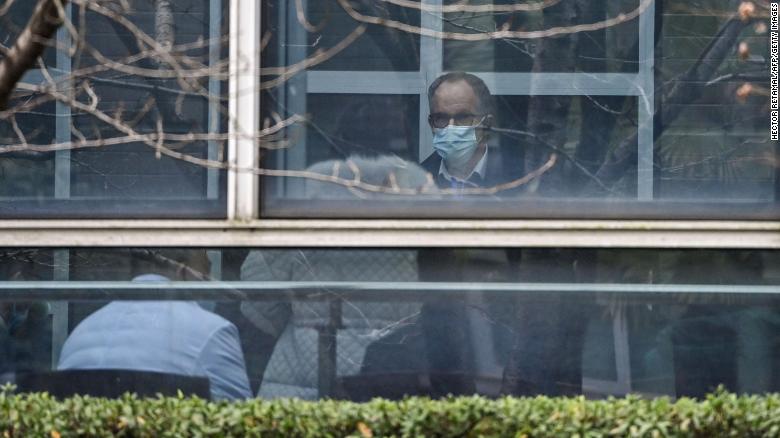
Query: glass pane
(715, 143)
(628, 109)
(611, 49)
(360, 323)
(296, 31)
(14, 20)
(137, 125)
(341, 126)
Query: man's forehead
(455, 93)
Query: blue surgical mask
(455, 144)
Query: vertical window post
(244, 112)
(62, 161)
(646, 102)
(214, 115)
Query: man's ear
(486, 124)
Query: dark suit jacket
(501, 167)
(547, 336)
(536, 338)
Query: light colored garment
(292, 368)
(164, 336)
(386, 171)
(480, 169)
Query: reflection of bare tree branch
(139, 57)
(301, 15)
(548, 115)
(153, 140)
(166, 69)
(761, 76)
(132, 45)
(319, 57)
(6, 7)
(430, 188)
(464, 7)
(499, 34)
(157, 90)
(538, 140)
(179, 69)
(28, 46)
(160, 259)
(398, 47)
(509, 185)
(688, 89)
(144, 138)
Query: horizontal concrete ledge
(391, 233)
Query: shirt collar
(479, 169)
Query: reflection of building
(694, 170)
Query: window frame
(245, 227)
(370, 233)
(63, 119)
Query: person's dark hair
(486, 105)
(168, 262)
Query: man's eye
(441, 121)
(465, 120)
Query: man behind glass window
(462, 112)
(177, 337)
(461, 115)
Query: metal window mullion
(62, 161)
(244, 109)
(562, 84)
(296, 97)
(646, 103)
(366, 290)
(62, 188)
(215, 92)
(59, 309)
(280, 159)
(501, 84)
(431, 64)
(364, 82)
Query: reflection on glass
(103, 128)
(28, 174)
(610, 109)
(15, 17)
(613, 49)
(715, 140)
(380, 48)
(25, 326)
(173, 337)
(371, 125)
(362, 323)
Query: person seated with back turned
(177, 337)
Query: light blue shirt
(163, 336)
(456, 182)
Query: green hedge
(721, 414)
